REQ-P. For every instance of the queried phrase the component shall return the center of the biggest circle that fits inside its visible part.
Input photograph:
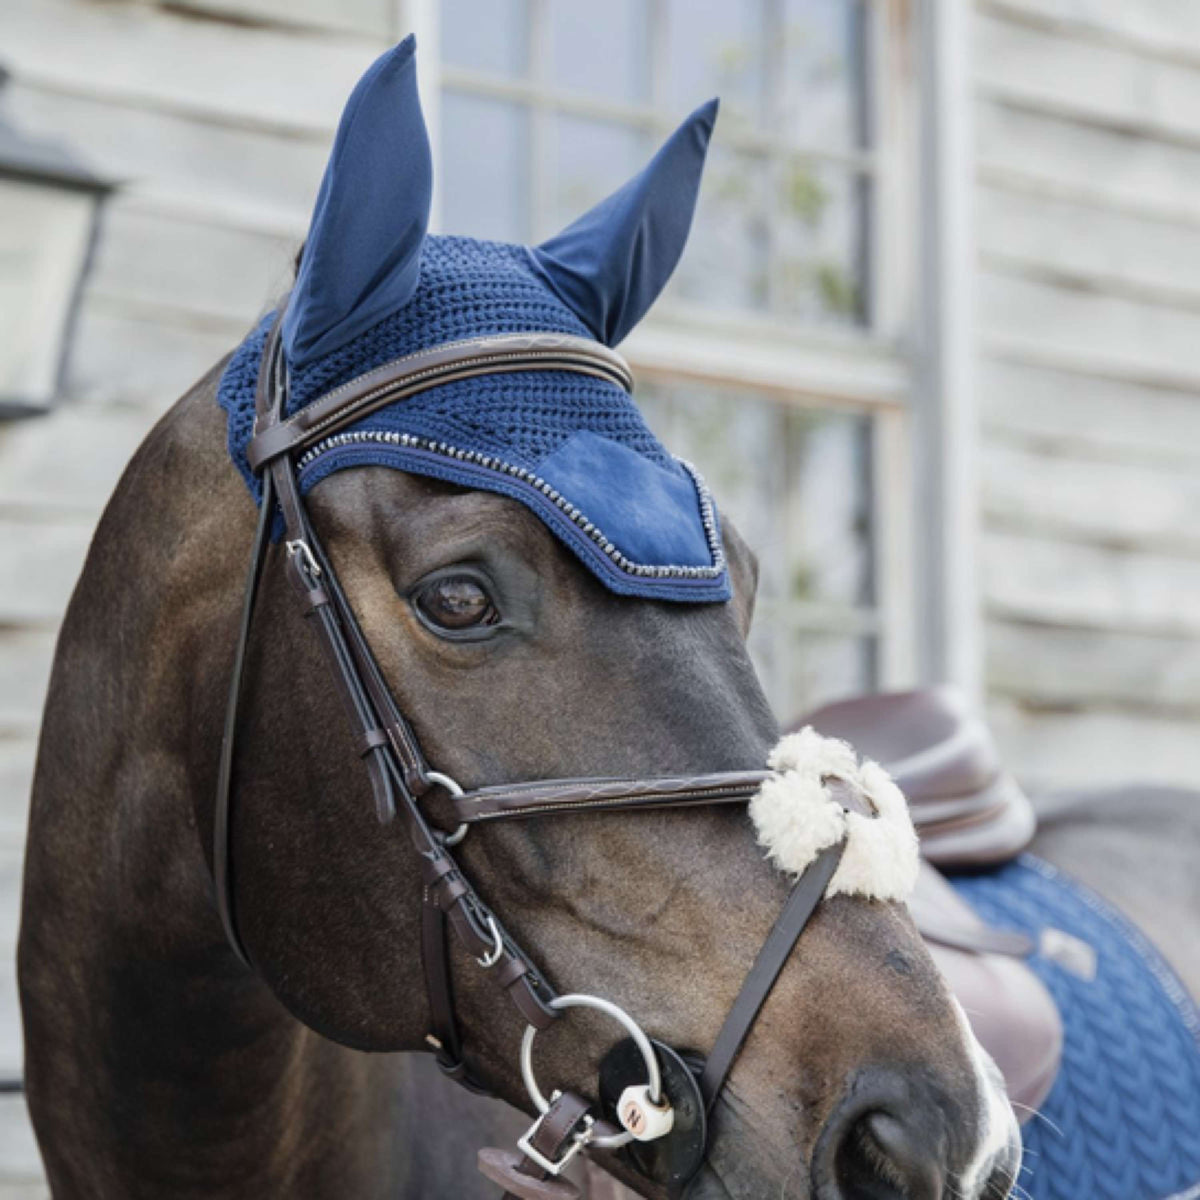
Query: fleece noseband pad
(797, 815)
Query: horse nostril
(1001, 1182)
(883, 1156)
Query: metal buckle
(299, 548)
(496, 953)
(578, 1141)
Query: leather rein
(400, 777)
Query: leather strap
(522, 800)
(391, 754)
(222, 844)
(558, 1124)
(473, 923)
(466, 914)
(444, 1038)
(551, 1138)
(415, 373)
(776, 950)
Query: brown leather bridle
(398, 771)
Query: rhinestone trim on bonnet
(580, 519)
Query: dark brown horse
(158, 1064)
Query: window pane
(725, 265)
(485, 35)
(589, 159)
(819, 235)
(715, 48)
(822, 93)
(796, 482)
(484, 168)
(600, 48)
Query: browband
(425, 369)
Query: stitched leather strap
(517, 801)
(558, 1124)
(776, 950)
(472, 922)
(415, 373)
(522, 800)
(519, 1175)
(396, 768)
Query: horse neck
(130, 993)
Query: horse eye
(456, 602)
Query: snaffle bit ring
(631, 1027)
(451, 785)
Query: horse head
(519, 647)
(513, 661)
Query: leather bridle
(400, 776)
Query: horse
(171, 1052)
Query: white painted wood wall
(1088, 224)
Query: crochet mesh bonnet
(374, 286)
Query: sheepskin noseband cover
(797, 816)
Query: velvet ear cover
(362, 256)
(374, 286)
(610, 265)
(361, 261)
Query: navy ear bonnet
(374, 287)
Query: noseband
(645, 1118)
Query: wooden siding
(1088, 231)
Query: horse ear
(362, 256)
(610, 265)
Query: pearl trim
(578, 518)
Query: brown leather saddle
(970, 814)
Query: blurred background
(935, 344)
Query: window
(771, 361)
(548, 115)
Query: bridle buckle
(578, 1140)
(299, 549)
(496, 953)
